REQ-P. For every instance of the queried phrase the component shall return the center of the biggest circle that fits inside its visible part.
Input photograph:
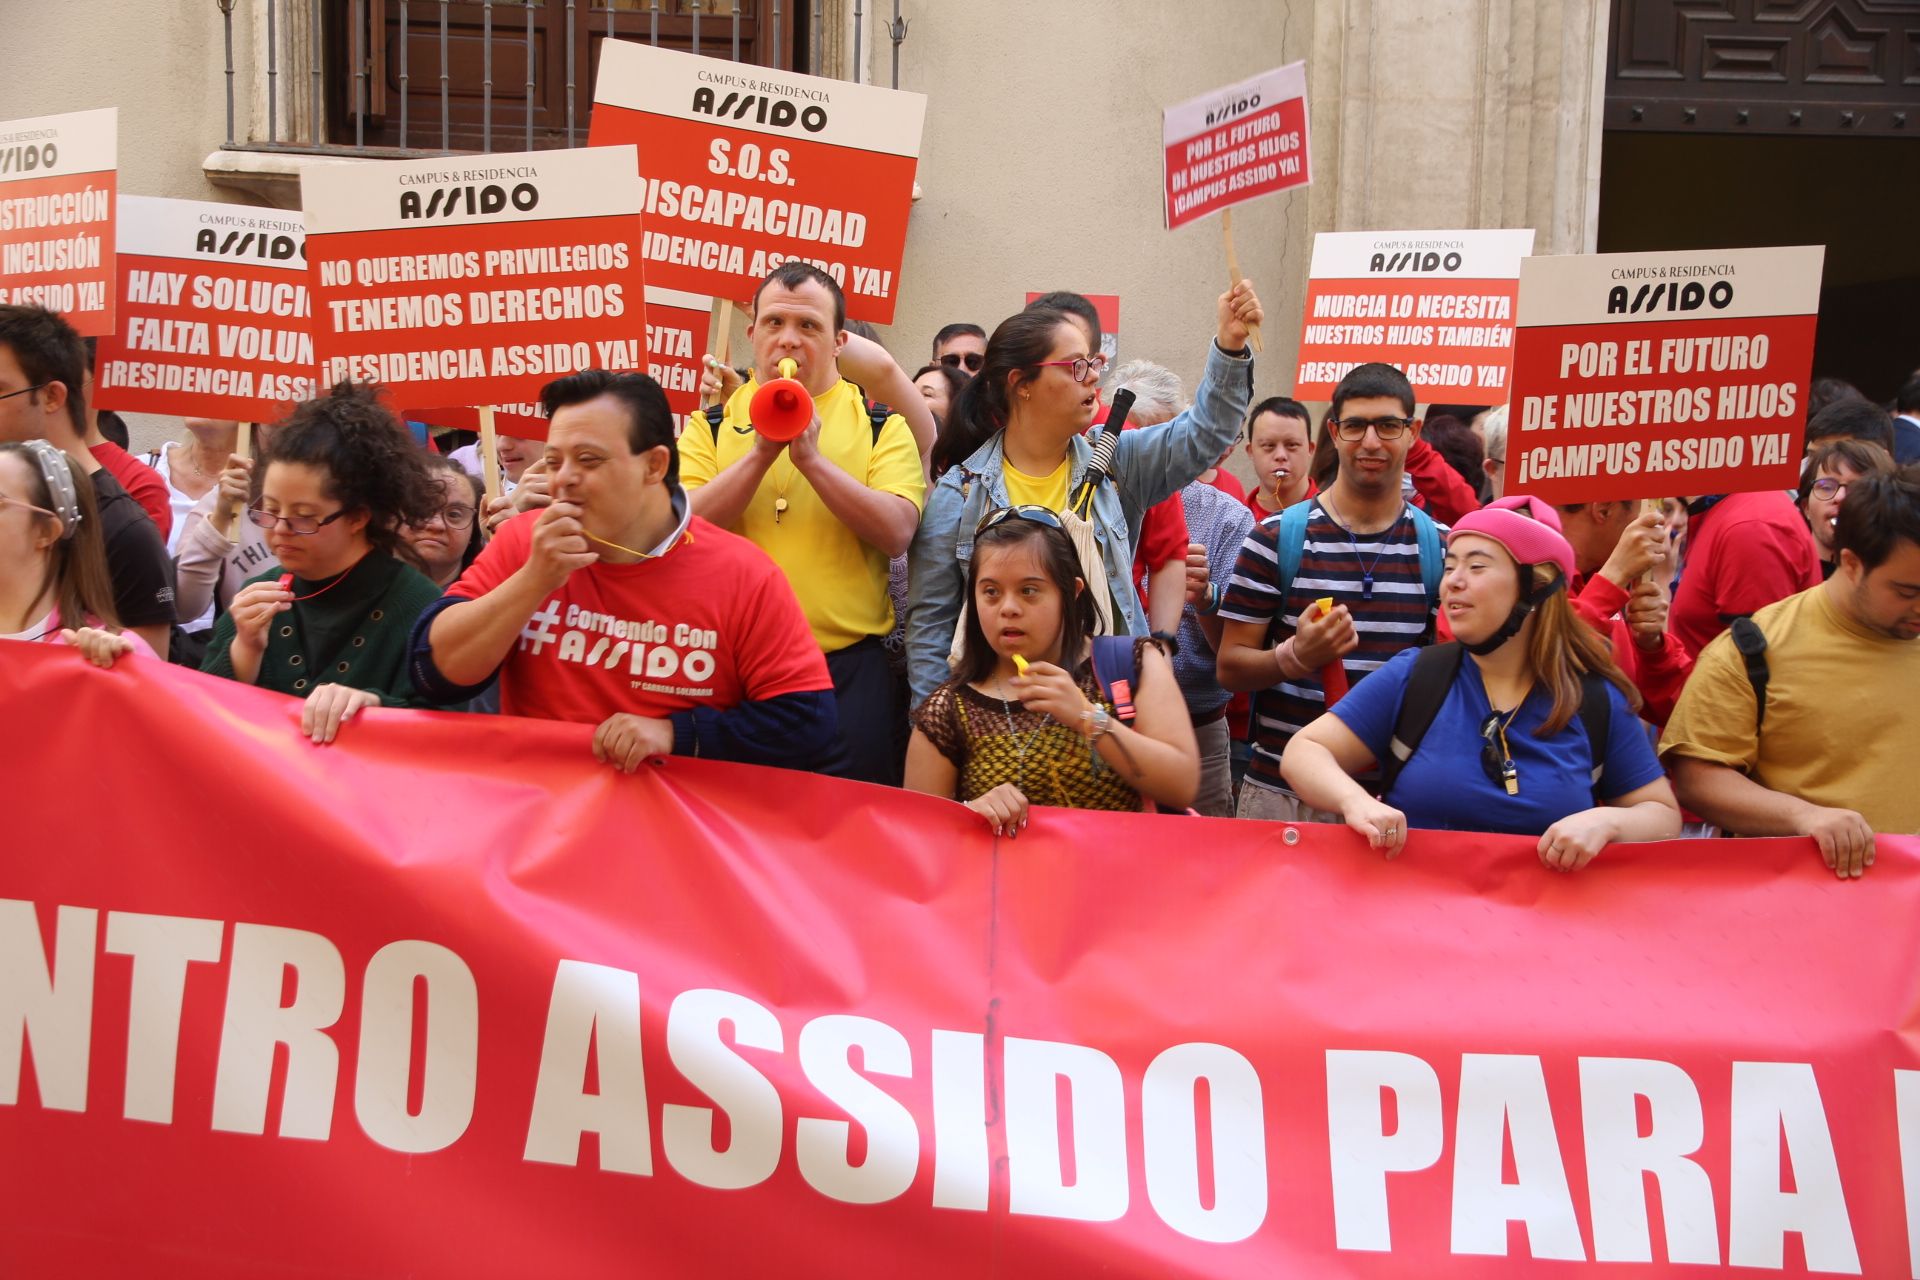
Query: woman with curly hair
(333, 490)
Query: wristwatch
(1099, 723)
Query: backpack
(1752, 644)
(1292, 544)
(715, 414)
(1434, 671)
(1114, 670)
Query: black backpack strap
(1434, 669)
(1114, 668)
(715, 414)
(1752, 644)
(1596, 717)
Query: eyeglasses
(304, 526)
(971, 359)
(1026, 511)
(1081, 367)
(456, 516)
(1496, 758)
(27, 391)
(1826, 488)
(5, 501)
(1386, 428)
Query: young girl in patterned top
(1005, 733)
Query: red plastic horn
(783, 408)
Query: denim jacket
(1151, 465)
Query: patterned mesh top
(991, 742)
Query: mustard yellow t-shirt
(841, 582)
(1050, 492)
(1841, 728)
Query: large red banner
(746, 167)
(214, 320)
(57, 182)
(492, 1009)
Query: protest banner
(676, 324)
(1107, 307)
(1233, 145)
(746, 167)
(475, 280)
(214, 319)
(1652, 375)
(500, 1010)
(57, 183)
(1437, 304)
(526, 421)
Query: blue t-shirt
(1443, 786)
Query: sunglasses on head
(1026, 511)
(971, 359)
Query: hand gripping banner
(448, 999)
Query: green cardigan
(353, 631)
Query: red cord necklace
(286, 584)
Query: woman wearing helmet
(1532, 695)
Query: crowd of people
(1017, 577)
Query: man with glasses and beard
(1361, 543)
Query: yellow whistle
(1325, 605)
(1019, 664)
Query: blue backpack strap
(1113, 668)
(1433, 553)
(1291, 544)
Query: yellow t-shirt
(841, 581)
(1841, 728)
(1050, 492)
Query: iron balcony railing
(367, 84)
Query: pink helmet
(1527, 528)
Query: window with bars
(476, 75)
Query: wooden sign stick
(242, 448)
(489, 453)
(720, 336)
(1233, 270)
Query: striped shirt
(1396, 615)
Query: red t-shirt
(140, 480)
(1742, 554)
(712, 623)
(1226, 482)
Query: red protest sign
(1235, 144)
(1439, 305)
(1107, 307)
(676, 338)
(1646, 375)
(746, 167)
(476, 280)
(57, 183)
(486, 1038)
(214, 319)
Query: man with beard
(1794, 724)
